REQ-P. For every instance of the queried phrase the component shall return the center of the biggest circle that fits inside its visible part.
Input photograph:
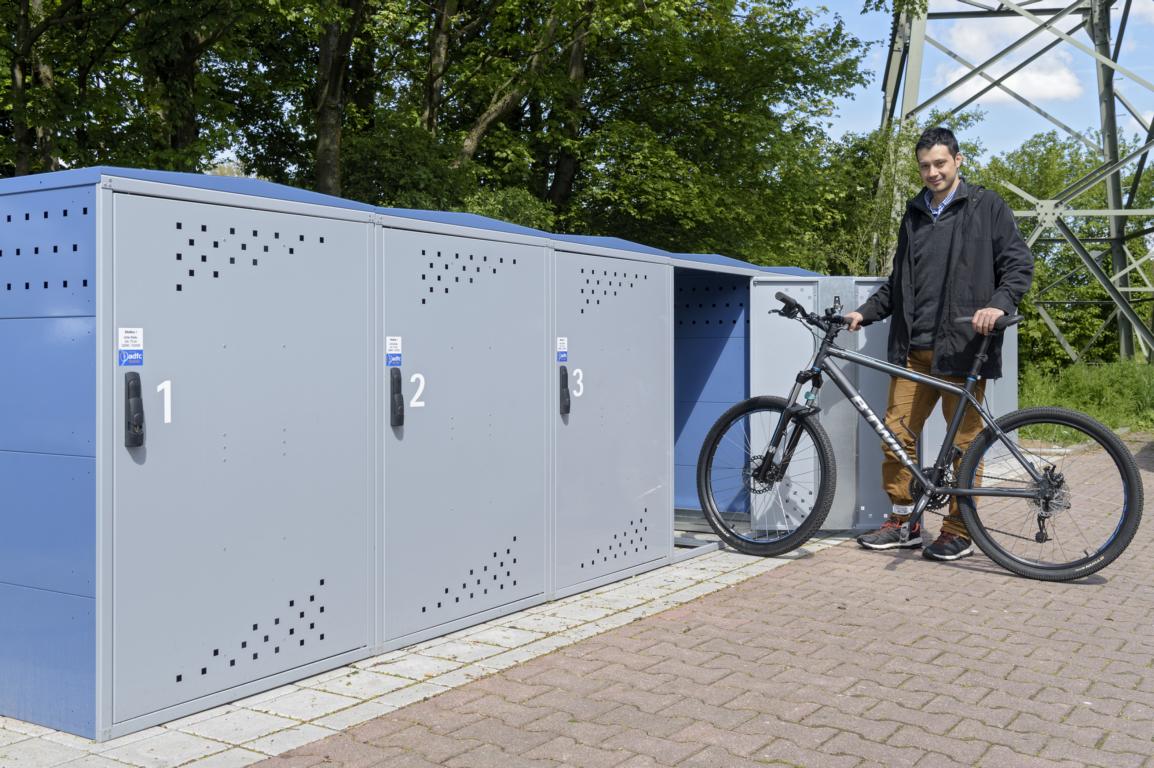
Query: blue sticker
(393, 360)
(562, 357)
(132, 357)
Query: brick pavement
(846, 658)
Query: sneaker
(949, 546)
(890, 536)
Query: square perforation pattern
(297, 624)
(207, 253)
(47, 258)
(718, 305)
(606, 285)
(629, 544)
(446, 272)
(489, 575)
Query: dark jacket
(989, 266)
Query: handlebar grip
(788, 301)
(1001, 324)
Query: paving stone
(846, 743)
(743, 744)
(1004, 757)
(1063, 749)
(493, 731)
(581, 731)
(570, 752)
(428, 744)
(492, 756)
(966, 752)
(783, 751)
(629, 716)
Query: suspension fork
(793, 414)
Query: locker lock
(133, 412)
(396, 399)
(565, 399)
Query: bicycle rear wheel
(764, 518)
(1095, 500)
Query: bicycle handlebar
(1001, 324)
(793, 308)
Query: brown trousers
(910, 404)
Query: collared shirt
(936, 211)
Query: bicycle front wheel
(771, 517)
(1088, 501)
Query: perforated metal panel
(47, 457)
(614, 447)
(47, 261)
(464, 528)
(240, 526)
(711, 371)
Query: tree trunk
(443, 13)
(28, 28)
(22, 134)
(335, 46)
(565, 171)
(45, 137)
(177, 79)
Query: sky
(1063, 81)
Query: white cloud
(1142, 10)
(978, 39)
(1049, 79)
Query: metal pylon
(1082, 26)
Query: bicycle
(1043, 517)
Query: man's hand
(984, 319)
(854, 319)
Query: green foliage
(1119, 394)
(512, 204)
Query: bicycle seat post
(979, 360)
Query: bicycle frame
(822, 364)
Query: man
(959, 255)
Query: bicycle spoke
(1081, 500)
(762, 506)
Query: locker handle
(565, 400)
(396, 399)
(133, 412)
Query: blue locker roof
(461, 219)
(245, 186)
(81, 177)
(727, 261)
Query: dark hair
(934, 136)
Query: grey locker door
(778, 349)
(465, 503)
(241, 525)
(873, 504)
(614, 448)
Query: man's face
(939, 169)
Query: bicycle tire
(1009, 531)
(724, 517)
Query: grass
(1119, 394)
